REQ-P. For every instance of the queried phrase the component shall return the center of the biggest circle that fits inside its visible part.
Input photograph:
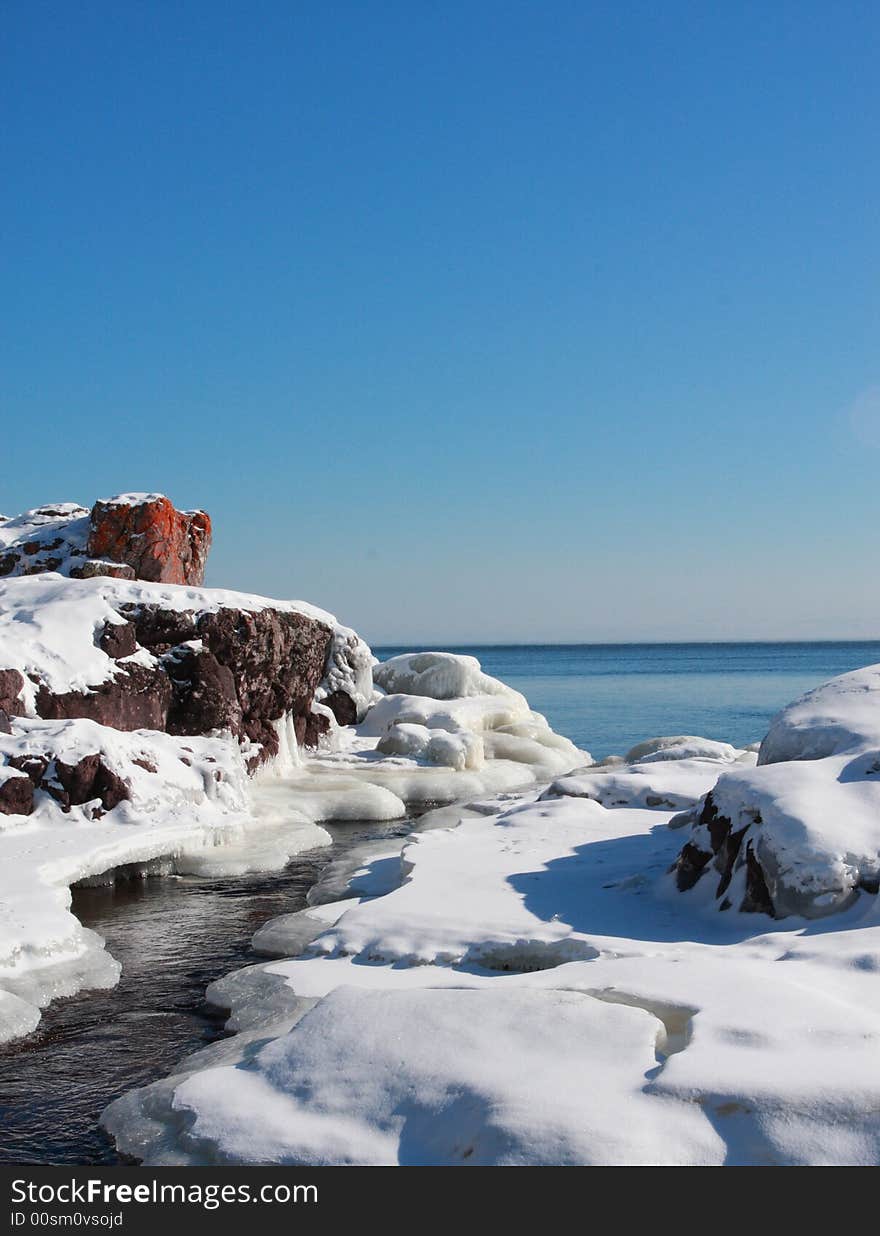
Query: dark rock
(160, 630)
(147, 765)
(138, 699)
(11, 683)
(277, 658)
(118, 639)
(689, 866)
(205, 696)
(150, 535)
(33, 765)
(757, 898)
(342, 706)
(91, 778)
(726, 857)
(76, 780)
(315, 726)
(5, 723)
(16, 796)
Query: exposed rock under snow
(800, 833)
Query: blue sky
(474, 321)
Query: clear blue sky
(469, 321)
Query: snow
(680, 747)
(669, 774)
(515, 981)
(534, 990)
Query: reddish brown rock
(342, 706)
(33, 766)
(205, 696)
(88, 779)
(151, 536)
(138, 699)
(251, 670)
(11, 683)
(16, 795)
(118, 639)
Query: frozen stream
(173, 937)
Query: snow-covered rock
(841, 716)
(666, 774)
(132, 654)
(441, 676)
(800, 833)
(680, 747)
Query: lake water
(607, 697)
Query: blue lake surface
(607, 697)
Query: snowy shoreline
(528, 986)
(669, 956)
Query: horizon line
(424, 646)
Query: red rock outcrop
(148, 534)
(133, 536)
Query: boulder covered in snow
(800, 833)
(134, 655)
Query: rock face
(148, 534)
(132, 536)
(238, 670)
(228, 669)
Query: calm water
(607, 697)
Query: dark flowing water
(173, 936)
